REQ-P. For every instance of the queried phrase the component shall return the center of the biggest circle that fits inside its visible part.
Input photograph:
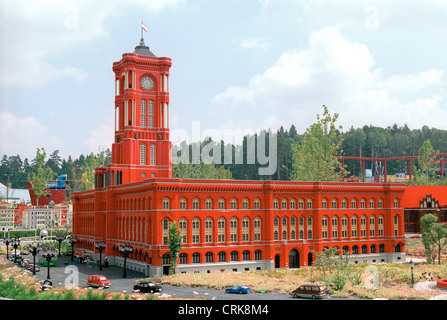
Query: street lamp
(34, 251)
(411, 263)
(7, 241)
(100, 245)
(48, 255)
(72, 239)
(125, 250)
(60, 238)
(15, 244)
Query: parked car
(309, 291)
(147, 287)
(98, 281)
(238, 289)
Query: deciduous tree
(315, 159)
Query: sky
(239, 66)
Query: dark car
(238, 289)
(147, 287)
(309, 291)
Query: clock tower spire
(141, 148)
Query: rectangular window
(142, 154)
(150, 122)
(153, 156)
(143, 113)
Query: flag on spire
(143, 26)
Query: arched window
(324, 204)
(244, 204)
(209, 257)
(363, 226)
(257, 204)
(153, 155)
(195, 204)
(334, 222)
(324, 227)
(309, 204)
(208, 204)
(380, 225)
(245, 229)
(300, 204)
(396, 226)
(234, 256)
(258, 255)
(142, 154)
(363, 203)
(182, 229)
(275, 203)
(354, 226)
(344, 227)
(334, 203)
(166, 204)
(195, 230)
(221, 203)
(143, 113)
(344, 203)
(292, 204)
(233, 204)
(233, 230)
(165, 231)
(372, 226)
(309, 228)
(182, 204)
(183, 258)
(284, 204)
(246, 255)
(221, 256)
(150, 123)
(221, 230)
(208, 230)
(196, 257)
(257, 229)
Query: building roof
(143, 50)
(20, 195)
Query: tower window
(150, 122)
(153, 156)
(143, 113)
(143, 154)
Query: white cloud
(99, 137)
(340, 74)
(47, 28)
(253, 42)
(22, 135)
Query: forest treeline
(368, 141)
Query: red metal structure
(384, 160)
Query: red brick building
(225, 224)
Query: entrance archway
(277, 261)
(309, 259)
(294, 259)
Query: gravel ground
(431, 285)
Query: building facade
(224, 224)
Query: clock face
(147, 83)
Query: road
(75, 274)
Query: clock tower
(141, 148)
